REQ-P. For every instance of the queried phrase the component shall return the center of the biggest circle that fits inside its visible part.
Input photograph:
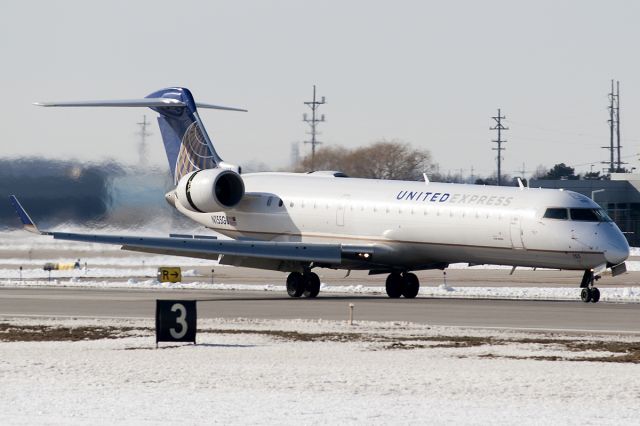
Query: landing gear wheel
(585, 295)
(394, 285)
(411, 285)
(595, 294)
(295, 284)
(311, 284)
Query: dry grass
(42, 333)
(612, 351)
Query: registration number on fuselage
(220, 219)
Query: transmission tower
(295, 154)
(499, 127)
(313, 122)
(142, 146)
(615, 162)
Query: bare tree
(384, 159)
(326, 158)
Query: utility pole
(615, 161)
(142, 147)
(618, 125)
(499, 127)
(522, 172)
(313, 122)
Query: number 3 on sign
(176, 321)
(180, 320)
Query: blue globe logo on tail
(194, 153)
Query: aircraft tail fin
(27, 223)
(186, 141)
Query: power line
(594, 162)
(576, 134)
(313, 122)
(499, 127)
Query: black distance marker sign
(176, 321)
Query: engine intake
(210, 190)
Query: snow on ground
(625, 294)
(249, 372)
(109, 267)
(93, 261)
(24, 241)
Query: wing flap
(300, 252)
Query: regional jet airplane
(297, 222)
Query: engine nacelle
(210, 190)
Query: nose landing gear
(589, 293)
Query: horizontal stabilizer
(125, 103)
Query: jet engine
(210, 190)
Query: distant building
(620, 198)
(98, 194)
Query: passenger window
(556, 214)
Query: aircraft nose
(618, 249)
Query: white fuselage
(417, 224)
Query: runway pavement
(544, 315)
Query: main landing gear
(405, 284)
(307, 284)
(589, 293)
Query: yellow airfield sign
(169, 274)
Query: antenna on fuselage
(426, 178)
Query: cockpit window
(556, 214)
(590, 215)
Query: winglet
(27, 223)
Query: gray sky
(431, 73)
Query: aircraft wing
(319, 253)
(322, 253)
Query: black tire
(311, 284)
(595, 295)
(411, 286)
(394, 285)
(295, 284)
(585, 295)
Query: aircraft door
(516, 232)
(342, 206)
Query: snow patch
(241, 378)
